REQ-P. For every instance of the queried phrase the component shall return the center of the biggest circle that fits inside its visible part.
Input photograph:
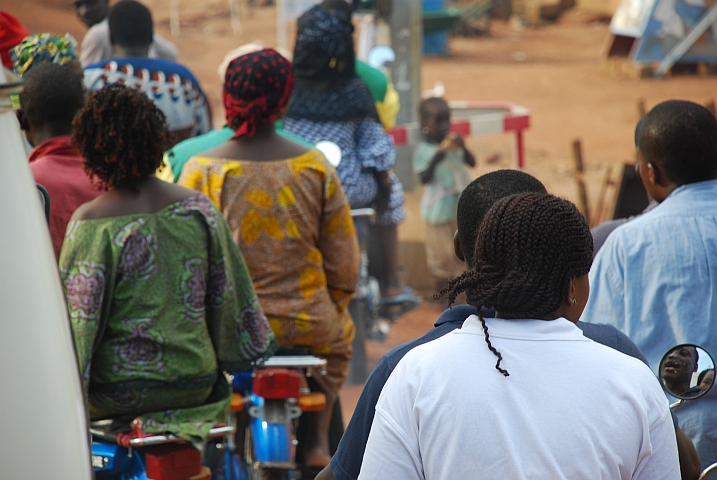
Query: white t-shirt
(570, 409)
(96, 46)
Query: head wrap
(257, 87)
(324, 50)
(242, 50)
(327, 87)
(11, 33)
(41, 48)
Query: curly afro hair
(529, 247)
(122, 136)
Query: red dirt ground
(554, 70)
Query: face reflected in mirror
(706, 379)
(685, 369)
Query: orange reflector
(205, 474)
(312, 402)
(237, 402)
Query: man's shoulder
(449, 320)
(610, 336)
(394, 356)
(98, 31)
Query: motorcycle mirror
(331, 151)
(687, 371)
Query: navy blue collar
(458, 314)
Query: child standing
(440, 162)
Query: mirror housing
(687, 371)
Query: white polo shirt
(570, 409)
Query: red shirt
(57, 166)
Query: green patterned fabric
(41, 48)
(161, 304)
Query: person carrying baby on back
(440, 162)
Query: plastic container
(435, 43)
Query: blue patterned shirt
(364, 145)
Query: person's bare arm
(326, 474)
(467, 155)
(690, 466)
(427, 175)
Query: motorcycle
(136, 455)
(687, 373)
(268, 403)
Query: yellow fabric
(164, 172)
(292, 223)
(389, 108)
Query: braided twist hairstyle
(122, 136)
(529, 247)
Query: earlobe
(457, 248)
(570, 299)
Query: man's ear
(24, 125)
(657, 174)
(457, 248)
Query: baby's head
(435, 117)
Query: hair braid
(528, 248)
(122, 135)
(491, 347)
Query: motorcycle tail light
(277, 383)
(176, 461)
(312, 402)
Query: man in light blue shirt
(656, 276)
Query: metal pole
(174, 17)
(281, 35)
(406, 23)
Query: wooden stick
(582, 191)
(711, 106)
(606, 183)
(641, 109)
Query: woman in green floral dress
(159, 297)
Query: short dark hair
(122, 135)
(52, 94)
(481, 194)
(428, 106)
(702, 375)
(681, 137)
(130, 24)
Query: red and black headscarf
(257, 87)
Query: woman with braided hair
(291, 219)
(524, 395)
(159, 297)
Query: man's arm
(690, 466)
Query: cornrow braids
(529, 247)
(122, 136)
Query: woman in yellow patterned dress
(291, 219)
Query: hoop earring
(575, 302)
(424, 130)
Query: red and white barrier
(473, 119)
